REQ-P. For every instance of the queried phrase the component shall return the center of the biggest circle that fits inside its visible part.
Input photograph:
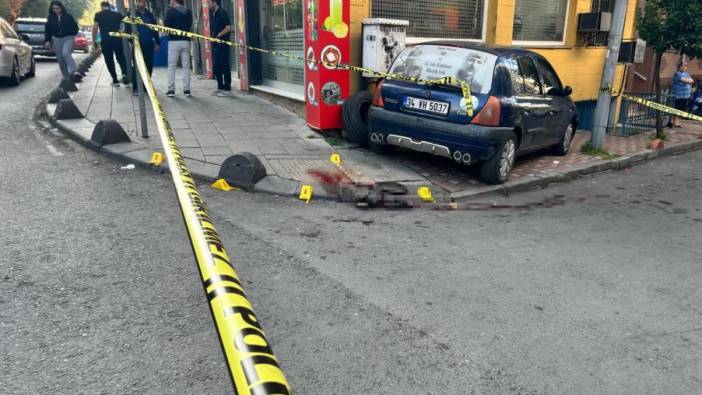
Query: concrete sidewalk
(208, 129)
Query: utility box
(383, 39)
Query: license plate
(431, 106)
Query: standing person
(220, 28)
(108, 21)
(148, 39)
(178, 17)
(59, 32)
(682, 90)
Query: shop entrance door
(282, 22)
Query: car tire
(32, 69)
(497, 169)
(15, 78)
(355, 114)
(563, 146)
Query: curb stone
(543, 180)
(140, 155)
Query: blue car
(519, 103)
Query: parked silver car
(16, 56)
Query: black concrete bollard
(108, 131)
(68, 85)
(66, 109)
(57, 94)
(243, 170)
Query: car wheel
(355, 113)
(16, 76)
(561, 149)
(32, 69)
(497, 169)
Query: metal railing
(635, 118)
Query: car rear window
(430, 62)
(30, 27)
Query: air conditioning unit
(632, 51)
(593, 22)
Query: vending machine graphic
(327, 39)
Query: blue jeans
(63, 47)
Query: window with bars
(539, 20)
(600, 38)
(461, 19)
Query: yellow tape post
(439, 81)
(253, 366)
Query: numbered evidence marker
(424, 193)
(335, 159)
(222, 185)
(306, 193)
(156, 159)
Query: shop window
(540, 20)
(285, 15)
(460, 19)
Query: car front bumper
(436, 136)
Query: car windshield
(430, 62)
(30, 27)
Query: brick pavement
(209, 129)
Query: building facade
(548, 27)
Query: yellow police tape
(660, 107)
(252, 364)
(465, 87)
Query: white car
(16, 56)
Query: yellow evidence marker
(335, 159)
(222, 185)
(424, 193)
(306, 193)
(156, 159)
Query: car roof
(498, 50)
(31, 20)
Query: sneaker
(170, 94)
(135, 93)
(115, 83)
(215, 93)
(125, 80)
(224, 94)
(187, 93)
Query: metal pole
(140, 85)
(600, 119)
(125, 44)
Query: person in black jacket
(60, 31)
(220, 28)
(149, 40)
(181, 18)
(108, 21)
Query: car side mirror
(565, 92)
(25, 38)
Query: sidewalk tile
(193, 153)
(269, 146)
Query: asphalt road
(99, 292)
